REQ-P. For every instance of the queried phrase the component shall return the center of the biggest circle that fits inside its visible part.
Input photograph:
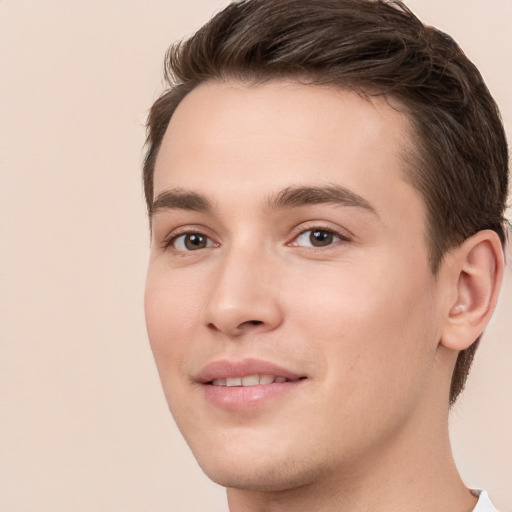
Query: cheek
(368, 323)
(377, 353)
(166, 326)
(168, 318)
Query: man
(326, 183)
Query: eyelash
(171, 239)
(323, 229)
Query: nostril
(237, 328)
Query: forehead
(231, 139)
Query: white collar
(484, 504)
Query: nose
(244, 297)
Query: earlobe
(476, 273)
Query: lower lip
(247, 397)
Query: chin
(268, 475)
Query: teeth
(266, 379)
(249, 380)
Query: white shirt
(484, 503)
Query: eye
(191, 242)
(317, 238)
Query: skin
(362, 317)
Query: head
(454, 152)
(459, 162)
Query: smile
(247, 384)
(250, 380)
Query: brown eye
(317, 238)
(192, 242)
(320, 238)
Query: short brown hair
(374, 47)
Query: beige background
(83, 422)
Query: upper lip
(224, 368)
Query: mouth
(246, 372)
(251, 380)
(247, 383)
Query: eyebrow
(290, 197)
(293, 197)
(179, 199)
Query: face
(289, 302)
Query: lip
(224, 368)
(246, 397)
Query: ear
(473, 277)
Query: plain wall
(83, 422)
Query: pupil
(195, 241)
(320, 238)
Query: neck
(414, 471)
